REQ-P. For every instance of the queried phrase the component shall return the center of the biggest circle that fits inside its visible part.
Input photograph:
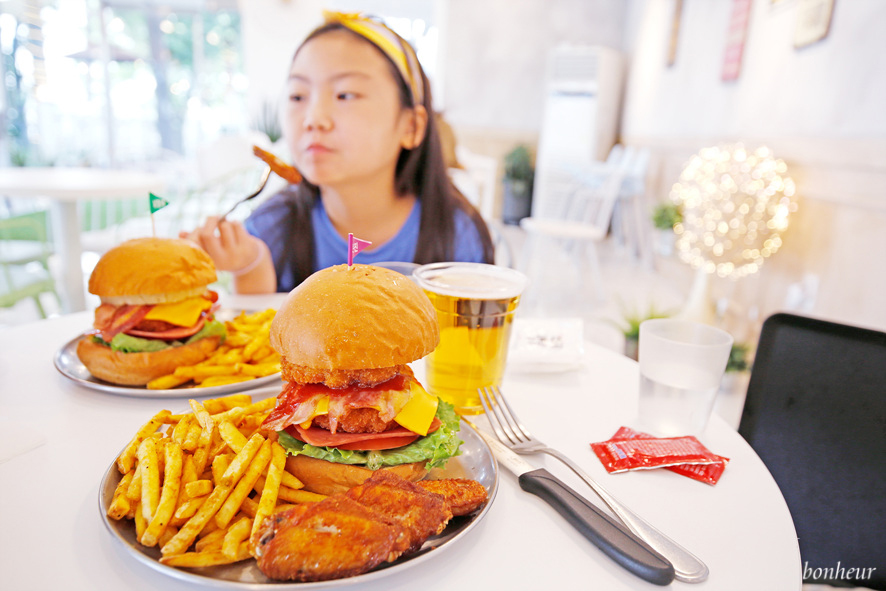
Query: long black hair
(420, 171)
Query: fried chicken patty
(340, 378)
(357, 420)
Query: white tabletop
(53, 536)
(74, 184)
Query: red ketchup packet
(632, 450)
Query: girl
(360, 132)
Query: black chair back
(816, 414)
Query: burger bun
(137, 369)
(329, 478)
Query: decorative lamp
(736, 204)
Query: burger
(351, 404)
(156, 312)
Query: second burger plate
(70, 366)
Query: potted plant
(738, 368)
(630, 328)
(664, 217)
(268, 122)
(518, 178)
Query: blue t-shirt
(271, 222)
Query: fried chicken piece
(421, 513)
(282, 169)
(462, 495)
(339, 378)
(335, 538)
(358, 420)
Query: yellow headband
(393, 46)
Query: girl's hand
(229, 245)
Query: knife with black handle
(612, 538)
(609, 536)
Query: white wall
(834, 88)
(820, 108)
(495, 52)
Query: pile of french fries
(245, 355)
(199, 484)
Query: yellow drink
(474, 330)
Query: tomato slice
(386, 443)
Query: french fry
(127, 456)
(189, 474)
(200, 559)
(236, 534)
(219, 464)
(217, 405)
(167, 382)
(150, 473)
(258, 341)
(194, 430)
(134, 492)
(270, 488)
(120, 503)
(211, 541)
(181, 429)
(241, 461)
(231, 435)
(244, 486)
(198, 488)
(203, 371)
(140, 522)
(258, 370)
(167, 535)
(249, 507)
(187, 510)
(168, 496)
(224, 380)
(188, 532)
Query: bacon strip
(389, 439)
(124, 318)
(172, 334)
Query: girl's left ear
(418, 126)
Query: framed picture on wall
(813, 21)
(735, 38)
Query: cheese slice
(416, 415)
(183, 313)
(419, 412)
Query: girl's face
(345, 120)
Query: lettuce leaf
(130, 344)
(435, 449)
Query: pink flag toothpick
(355, 245)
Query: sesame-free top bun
(362, 317)
(152, 271)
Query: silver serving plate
(70, 366)
(475, 462)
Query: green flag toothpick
(156, 203)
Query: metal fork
(511, 432)
(261, 185)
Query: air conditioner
(579, 122)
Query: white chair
(581, 221)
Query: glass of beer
(475, 306)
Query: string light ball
(735, 204)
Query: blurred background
(552, 106)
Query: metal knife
(612, 538)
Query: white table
(65, 187)
(53, 536)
